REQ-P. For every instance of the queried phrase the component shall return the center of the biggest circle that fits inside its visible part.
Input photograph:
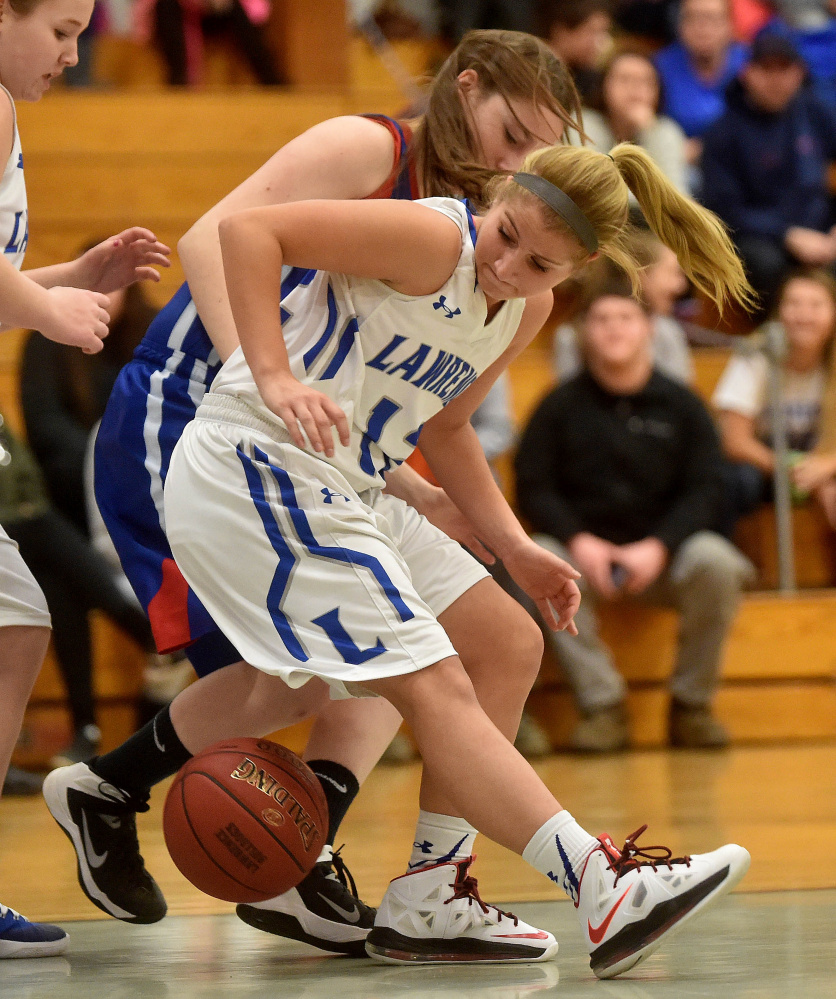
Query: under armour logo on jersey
(425, 847)
(329, 495)
(448, 312)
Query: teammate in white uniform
(37, 42)
(282, 532)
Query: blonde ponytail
(599, 184)
(697, 236)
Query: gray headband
(561, 203)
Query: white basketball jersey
(14, 217)
(390, 361)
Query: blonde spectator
(662, 284)
(807, 312)
(628, 111)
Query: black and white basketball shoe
(323, 910)
(99, 820)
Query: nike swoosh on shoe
(352, 915)
(95, 860)
(597, 934)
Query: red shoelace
(633, 856)
(467, 887)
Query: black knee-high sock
(147, 757)
(340, 787)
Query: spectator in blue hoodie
(765, 164)
(696, 69)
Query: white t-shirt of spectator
(671, 353)
(744, 388)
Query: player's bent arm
(409, 246)
(344, 158)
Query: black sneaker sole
(385, 944)
(281, 924)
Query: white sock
(559, 849)
(440, 838)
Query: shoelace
(633, 857)
(340, 872)
(7, 910)
(466, 886)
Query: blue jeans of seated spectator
(745, 487)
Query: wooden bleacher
(780, 663)
(97, 162)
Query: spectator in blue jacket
(765, 166)
(696, 69)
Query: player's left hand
(122, 260)
(549, 581)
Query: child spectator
(696, 69)
(807, 312)
(765, 167)
(619, 471)
(662, 285)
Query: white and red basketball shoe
(631, 900)
(434, 915)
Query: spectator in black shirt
(619, 472)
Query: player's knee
(529, 652)
(517, 660)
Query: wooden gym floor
(773, 937)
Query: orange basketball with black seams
(245, 820)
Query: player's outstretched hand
(78, 318)
(304, 408)
(122, 260)
(549, 581)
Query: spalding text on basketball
(248, 772)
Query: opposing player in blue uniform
(395, 323)
(68, 303)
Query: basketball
(245, 820)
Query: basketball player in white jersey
(317, 577)
(67, 303)
(498, 96)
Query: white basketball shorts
(302, 574)
(21, 600)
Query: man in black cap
(765, 163)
